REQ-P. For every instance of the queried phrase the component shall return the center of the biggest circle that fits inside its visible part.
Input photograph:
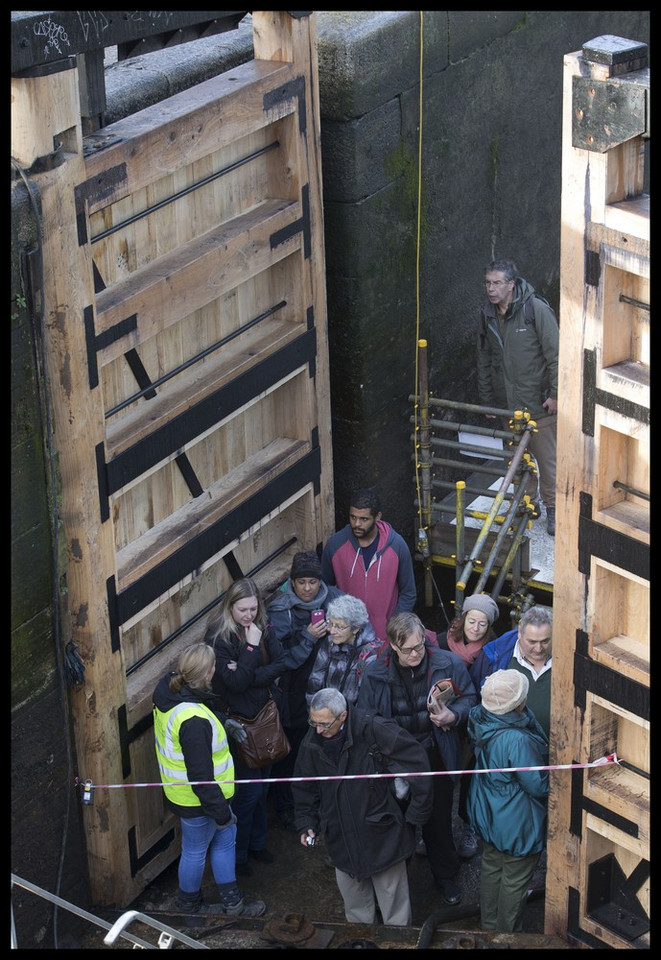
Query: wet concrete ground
(299, 882)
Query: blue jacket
(493, 656)
(508, 810)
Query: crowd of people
(363, 688)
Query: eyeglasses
(339, 627)
(409, 650)
(496, 283)
(323, 726)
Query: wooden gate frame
(185, 343)
(597, 882)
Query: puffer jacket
(290, 618)
(493, 656)
(341, 665)
(364, 827)
(508, 810)
(380, 676)
(518, 370)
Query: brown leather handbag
(266, 741)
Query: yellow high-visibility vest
(174, 775)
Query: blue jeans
(199, 835)
(249, 805)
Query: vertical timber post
(282, 35)
(46, 110)
(597, 880)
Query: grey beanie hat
(504, 690)
(485, 604)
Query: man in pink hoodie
(369, 560)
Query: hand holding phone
(317, 616)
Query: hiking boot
(191, 904)
(234, 904)
(188, 902)
(468, 846)
(550, 521)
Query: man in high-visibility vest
(197, 772)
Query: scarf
(467, 651)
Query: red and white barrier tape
(607, 760)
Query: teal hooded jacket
(508, 809)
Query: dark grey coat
(364, 827)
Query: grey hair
(508, 267)
(536, 617)
(350, 609)
(329, 698)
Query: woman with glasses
(397, 685)
(348, 646)
(369, 834)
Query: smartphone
(317, 616)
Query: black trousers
(437, 832)
(280, 793)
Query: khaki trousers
(503, 888)
(391, 888)
(542, 446)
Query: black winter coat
(246, 689)
(364, 827)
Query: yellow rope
(417, 285)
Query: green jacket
(518, 370)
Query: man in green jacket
(517, 364)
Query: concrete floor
(299, 882)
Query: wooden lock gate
(185, 349)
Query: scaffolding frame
(511, 526)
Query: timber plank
(186, 279)
(166, 537)
(197, 382)
(622, 650)
(120, 157)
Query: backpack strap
(529, 307)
